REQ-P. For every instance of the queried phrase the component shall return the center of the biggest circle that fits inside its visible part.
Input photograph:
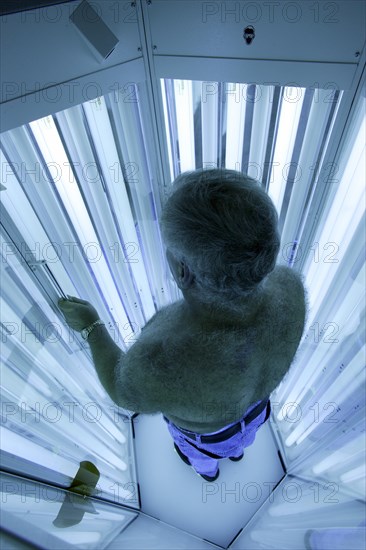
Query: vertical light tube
(292, 101)
(185, 123)
(209, 117)
(236, 105)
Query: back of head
(224, 226)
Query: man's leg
(203, 464)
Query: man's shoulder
(285, 288)
(153, 345)
(287, 307)
(164, 313)
(285, 275)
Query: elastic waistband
(229, 432)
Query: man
(210, 361)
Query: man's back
(203, 374)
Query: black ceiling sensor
(14, 6)
(249, 34)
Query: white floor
(215, 511)
(146, 533)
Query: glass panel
(321, 403)
(54, 518)
(78, 218)
(302, 514)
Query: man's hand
(78, 314)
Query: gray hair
(223, 225)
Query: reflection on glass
(55, 518)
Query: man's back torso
(211, 372)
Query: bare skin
(221, 363)
(200, 366)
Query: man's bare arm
(107, 356)
(129, 378)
